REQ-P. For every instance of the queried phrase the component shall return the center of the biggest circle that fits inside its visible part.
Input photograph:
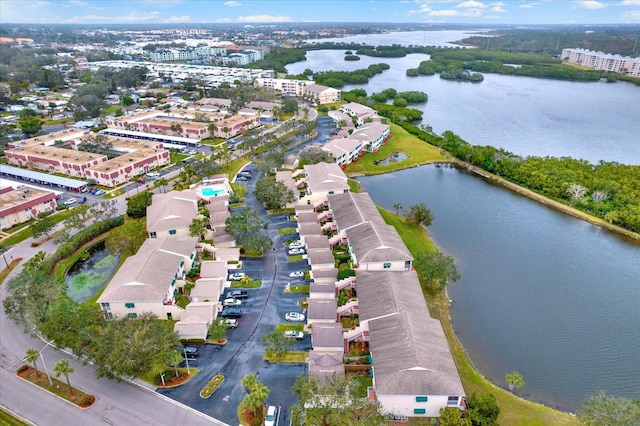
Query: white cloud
(178, 19)
(422, 9)
(445, 13)
(232, 3)
(591, 4)
(472, 4)
(528, 5)
(264, 18)
(134, 16)
(633, 16)
(497, 7)
(630, 3)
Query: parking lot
(261, 312)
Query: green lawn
(282, 327)
(8, 420)
(175, 157)
(25, 233)
(291, 356)
(417, 152)
(513, 410)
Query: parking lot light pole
(162, 378)
(186, 360)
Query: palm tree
(398, 207)
(212, 129)
(249, 382)
(32, 356)
(162, 182)
(175, 359)
(514, 379)
(198, 227)
(63, 367)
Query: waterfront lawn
(417, 152)
(513, 409)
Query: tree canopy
(436, 270)
(246, 227)
(605, 410)
(419, 214)
(137, 205)
(275, 194)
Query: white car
(232, 302)
(70, 201)
(236, 276)
(231, 323)
(293, 252)
(193, 152)
(296, 244)
(297, 274)
(272, 415)
(294, 316)
(298, 335)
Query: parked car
(236, 276)
(70, 201)
(295, 251)
(85, 189)
(193, 152)
(190, 351)
(238, 294)
(294, 316)
(298, 335)
(99, 192)
(297, 274)
(141, 180)
(231, 323)
(232, 302)
(82, 200)
(296, 244)
(272, 415)
(231, 313)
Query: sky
(274, 11)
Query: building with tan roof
(171, 214)
(68, 135)
(321, 94)
(54, 160)
(372, 135)
(321, 180)
(149, 280)
(344, 150)
(23, 204)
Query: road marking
(226, 398)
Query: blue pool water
(210, 192)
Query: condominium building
(603, 61)
(54, 160)
(20, 205)
(321, 94)
(285, 86)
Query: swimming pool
(210, 192)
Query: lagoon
(550, 296)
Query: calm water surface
(527, 116)
(552, 297)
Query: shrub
(345, 273)
(23, 368)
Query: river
(528, 116)
(553, 297)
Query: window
(153, 235)
(422, 398)
(105, 306)
(407, 265)
(419, 411)
(132, 315)
(130, 305)
(387, 265)
(172, 232)
(331, 192)
(452, 400)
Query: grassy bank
(513, 410)
(417, 153)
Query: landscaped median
(56, 387)
(212, 386)
(513, 409)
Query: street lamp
(186, 360)
(44, 363)
(162, 378)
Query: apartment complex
(54, 160)
(603, 61)
(22, 204)
(284, 86)
(321, 94)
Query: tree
(436, 270)
(289, 106)
(274, 193)
(105, 210)
(78, 217)
(603, 410)
(257, 394)
(198, 227)
(129, 346)
(70, 325)
(419, 214)
(315, 155)
(63, 367)
(514, 380)
(576, 191)
(137, 205)
(333, 402)
(483, 410)
(398, 207)
(246, 227)
(161, 183)
(126, 239)
(32, 356)
(42, 226)
(276, 344)
(218, 329)
(451, 416)
(35, 262)
(30, 125)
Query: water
(528, 116)
(443, 38)
(553, 297)
(90, 274)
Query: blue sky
(272, 11)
